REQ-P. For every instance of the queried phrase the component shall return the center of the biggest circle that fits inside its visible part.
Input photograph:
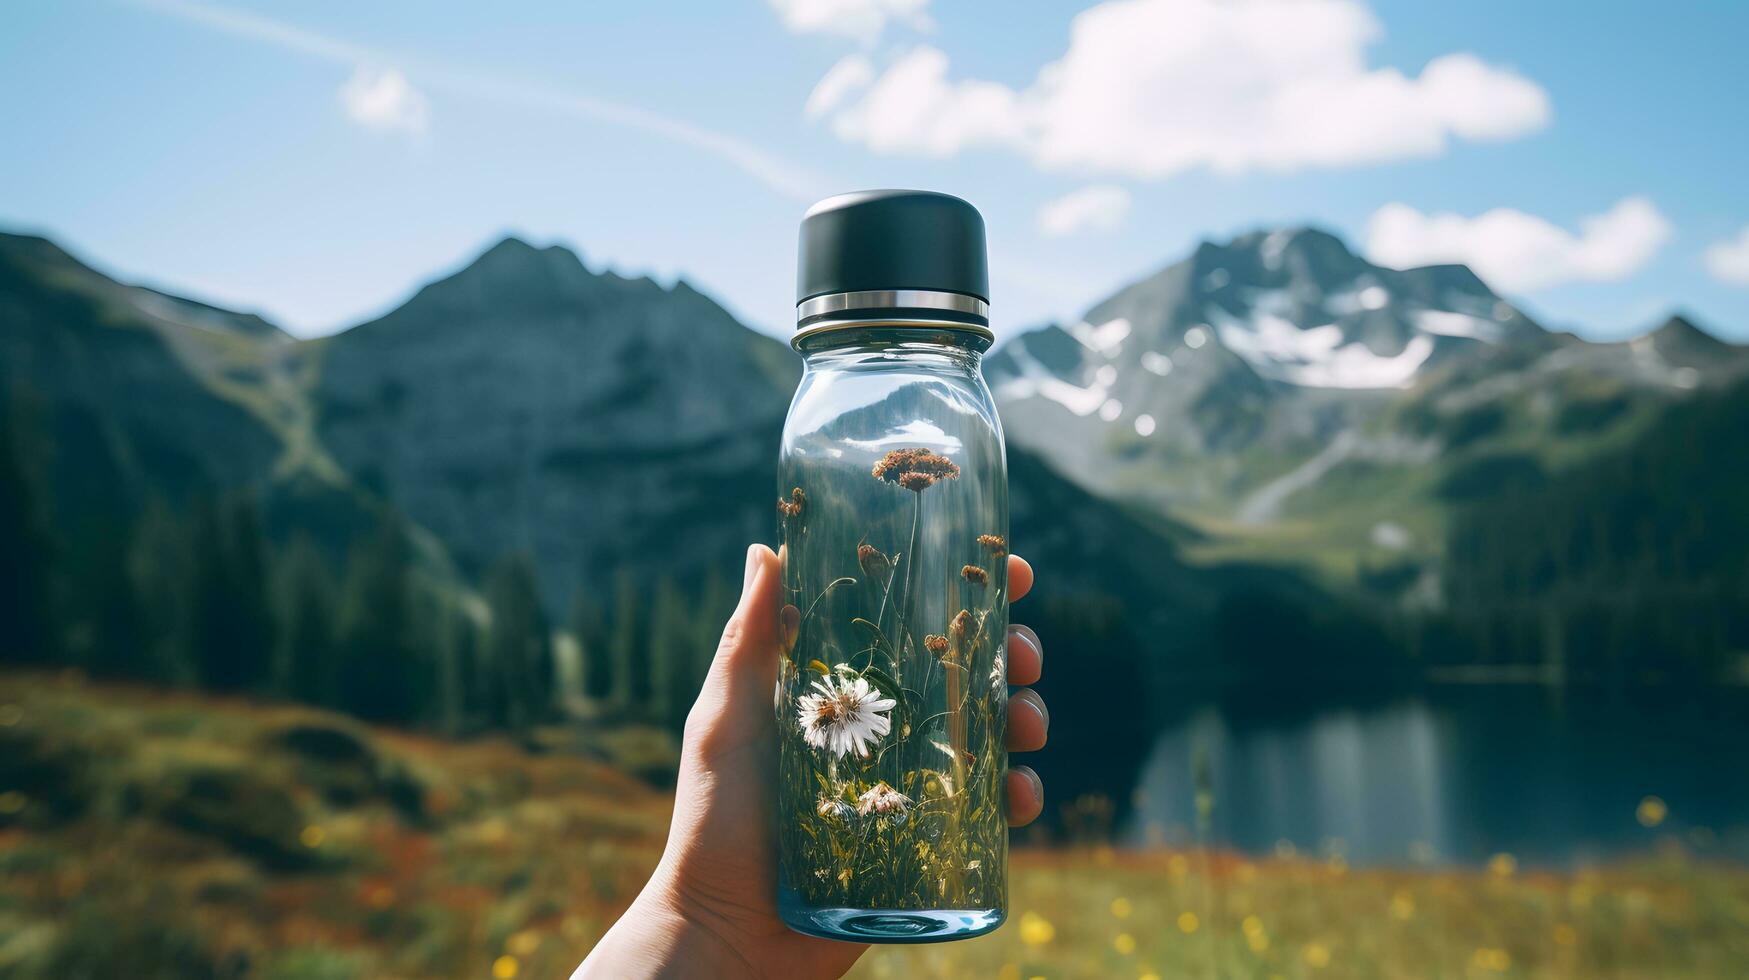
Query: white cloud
(780, 175)
(861, 20)
(1728, 261)
(1151, 88)
(913, 108)
(1099, 207)
(382, 98)
(1518, 252)
(850, 75)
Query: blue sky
(318, 160)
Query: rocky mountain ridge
(1295, 403)
(1279, 378)
(615, 430)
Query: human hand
(710, 907)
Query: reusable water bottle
(893, 512)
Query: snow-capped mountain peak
(1276, 344)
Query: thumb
(744, 671)
(754, 625)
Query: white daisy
(843, 715)
(883, 800)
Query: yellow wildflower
(1402, 906)
(1036, 930)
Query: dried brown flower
(915, 469)
(935, 644)
(996, 544)
(975, 575)
(962, 625)
(793, 506)
(874, 564)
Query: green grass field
(146, 834)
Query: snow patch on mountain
(1035, 379)
(1157, 363)
(1368, 296)
(1273, 245)
(1446, 323)
(1081, 401)
(1103, 339)
(1270, 339)
(1316, 357)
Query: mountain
(1680, 343)
(616, 430)
(1220, 471)
(139, 397)
(1303, 403)
(602, 424)
(1272, 474)
(125, 378)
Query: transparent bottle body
(892, 693)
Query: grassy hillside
(146, 834)
(149, 834)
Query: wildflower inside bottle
(844, 716)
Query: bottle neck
(885, 344)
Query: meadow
(153, 834)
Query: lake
(1456, 777)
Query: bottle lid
(892, 257)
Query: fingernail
(752, 567)
(1030, 696)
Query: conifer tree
(27, 633)
(520, 646)
(230, 624)
(110, 636)
(668, 653)
(159, 576)
(589, 626)
(307, 664)
(631, 675)
(383, 675)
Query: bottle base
(891, 925)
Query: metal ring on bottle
(890, 299)
(871, 320)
